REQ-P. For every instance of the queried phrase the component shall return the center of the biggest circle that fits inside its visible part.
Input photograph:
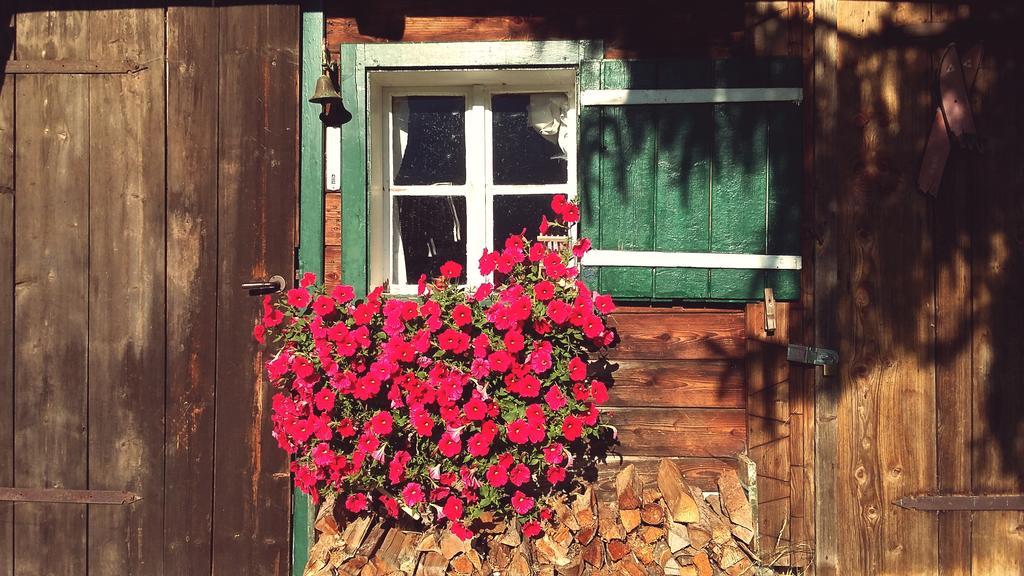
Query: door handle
(257, 287)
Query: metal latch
(813, 356)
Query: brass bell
(325, 93)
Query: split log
(653, 514)
(432, 564)
(617, 550)
(519, 566)
(735, 502)
(608, 522)
(585, 535)
(593, 553)
(681, 505)
(628, 489)
(703, 564)
(678, 537)
(629, 567)
(630, 519)
(651, 534)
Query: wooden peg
(770, 322)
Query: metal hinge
(936, 502)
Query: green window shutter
(720, 178)
(354, 198)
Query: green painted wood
(683, 181)
(589, 157)
(739, 188)
(691, 177)
(785, 186)
(311, 222)
(354, 198)
(785, 177)
(627, 196)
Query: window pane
(429, 140)
(513, 213)
(429, 231)
(527, 129)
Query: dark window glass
(429, 231)
(522, 155)
(515, 212)
(432, 131)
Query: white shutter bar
(689, 96)
(691, 260)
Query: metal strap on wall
(689, 96)
(692, 260)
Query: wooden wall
(132, 206)
(927, 305)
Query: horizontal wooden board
(678, 383)
(679, 335)
(701, 472)
(699, 432)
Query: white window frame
(477, 87)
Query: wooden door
(133, 204)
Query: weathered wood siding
(132, 206)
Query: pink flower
(500, 361)
(381, 423)
(390, 505)
(478, 445)
(518, 431)
(555, 474)
(462, 315)
(483, 291)
(412, 494)
(323, 305)
(356, 503)
(324, 399)
(519, 474)
(497, 476)
(553, 453)
(308, 279)
(343, 294)
(544, 291)
(299, 298)
(554, 398)
(604, 304)
(258, 332)
(581, 248)
(475, 409)
(577, 369)
(452, 509)
(448, 445)
(514, 341)
(451, 270)
(532, 529)
(572, 427)
(460, 530)
(521, 503)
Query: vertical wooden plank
(628, 165)
(6, 292)
(997, 261)
(354, 234)
(258, 194)
(886, 415)
(51, 297)
(739, 185)
(192, 85)
(768, 427)
(126, 291)
(826, 278)
(683, 181)
(953, 360)
(311, 221)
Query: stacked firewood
(670, 529)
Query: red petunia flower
(356, 503)
(521, 503)
(299, 298)
(452, 509)
(451, 270)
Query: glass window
(528, 136)
(429, 134)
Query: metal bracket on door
(257, 287)
(827, 359)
